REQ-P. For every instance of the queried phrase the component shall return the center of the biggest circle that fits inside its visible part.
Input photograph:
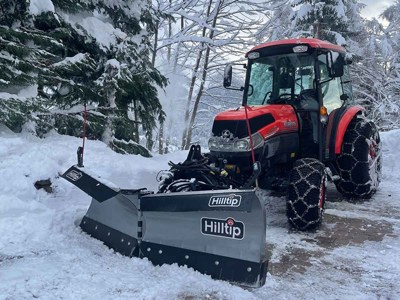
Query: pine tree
(331, 20)
(68, 60)
(377, 69)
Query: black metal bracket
(252, 179)
(79, 154)
(194, 153)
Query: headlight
(235, 145)
(241, 145)
(258, 140)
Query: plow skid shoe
(218, 233)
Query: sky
(375, 7)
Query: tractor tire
(306, 194)
(360, 163)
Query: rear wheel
(306, 194)
(359, 164)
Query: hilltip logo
(231, 200)
(229, 228)
(74, 175)
(289, 124)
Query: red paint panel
(278, 111)
(329, 129)
(280, 126)
(284, 115)
(343, 124)
(313, 43)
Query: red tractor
(299, 121)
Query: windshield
(274, 79)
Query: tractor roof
(313, 43)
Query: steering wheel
(308, 93)
(282, 100)
(252, 90)
(265, 97)
(299, 83)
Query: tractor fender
(344, 122)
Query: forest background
(150, 72)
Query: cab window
(261, 81)
(280, 78)
(331, 88)
(346, 84)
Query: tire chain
(359, 132)
(313, 168)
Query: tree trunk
(203, 79)
(169, 36)
(178, 45)
(153, 57)
(317, 30)
(149, 141)
(161, 139)
(153, 63)
(192, 85)
(161, 134)
(190, 95)
(135, 114)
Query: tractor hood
(267, 120)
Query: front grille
(239, 128)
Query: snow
(303, 11)
(71, 60)
(97, 26)
(36, 7)
(340, 9)
(340, 40)
(44, 254)
(23, 94)
(173, 99)
(103, 32)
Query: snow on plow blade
(218, 233)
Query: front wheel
(306, 194)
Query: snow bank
(5, 131)
(43, 252)
(391, 161)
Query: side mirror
(336, 64)
(228, 76)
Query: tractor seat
(308, 100)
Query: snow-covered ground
(44, 254)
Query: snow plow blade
(219, 233)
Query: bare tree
(210, 33)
